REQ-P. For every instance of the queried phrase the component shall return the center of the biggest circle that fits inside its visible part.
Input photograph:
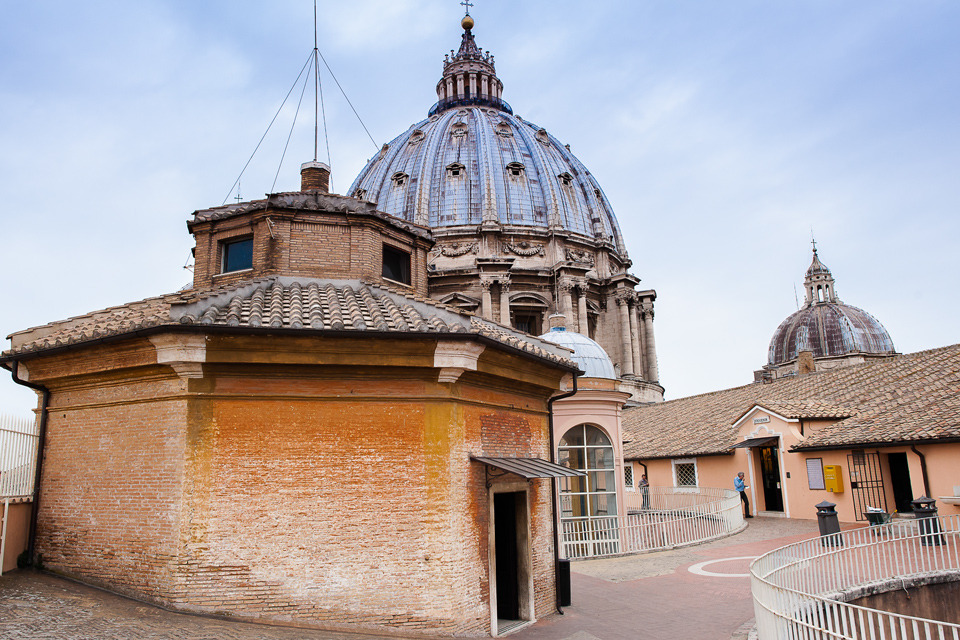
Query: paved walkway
(696, 593)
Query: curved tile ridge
(287, 303)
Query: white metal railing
(18, 457)
(798, 589)
(666, 517)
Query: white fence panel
(18, 456)
(662, 518)
(798, 589)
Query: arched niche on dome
(528, 311)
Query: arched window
(587, 448)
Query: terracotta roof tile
(906, 398)
(283, 303)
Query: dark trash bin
(829, 523)
(563, 582)
(925, 510)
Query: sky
(725, 135)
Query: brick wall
(342, 498)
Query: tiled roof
(906, 398)
(287, 303)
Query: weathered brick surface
(340, 497)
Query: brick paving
(636, 598)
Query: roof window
(455, 170)
(399, 178)
(566, 179)
(515, 169)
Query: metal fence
(18, 457)
(664, 518)
(798, 589)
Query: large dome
(469, 165)
(825, 326)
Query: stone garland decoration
(524, 248)
(456, 249)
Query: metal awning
(529, 467)
(756, 442)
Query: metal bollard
(829, 523)
(925, 510)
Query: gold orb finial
(467, 22)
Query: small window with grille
(685, 473)
(628, 476)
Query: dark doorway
(866, 482)
(770, 476)
(900, 482)
(508, 565)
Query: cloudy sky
(722, 132)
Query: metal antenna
(316, 87)
(795, 296)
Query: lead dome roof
(589, 356)
(826, 326)
(472, 162)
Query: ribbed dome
(828, 329)
(588, 355)
(470, 165)
(826, 326)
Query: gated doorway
(770, 477)
(900, 482)
(866, 482)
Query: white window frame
(696, 472)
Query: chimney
(805, 362)
(315, 176)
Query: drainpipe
(923, 469)
(556, 489)
(44, 401)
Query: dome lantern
(469, 77)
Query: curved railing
(799, 590)
(468, 101)
(669, 517)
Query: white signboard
(815, 473)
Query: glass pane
(576, 484)
(571, 459)
(600, 458)
(595, 437)
(238, 255)
(601, 481)
(603, 504)
(572, 438)
(575, 505)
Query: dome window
(515, 169)
(503, 129)
(455, 170)
(566, 179)
(416, 136)
(543, 136)
(360, 194)
(459, 130)
(399, 179)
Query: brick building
(296, 437)
(346, 421)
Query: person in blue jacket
(742, 488)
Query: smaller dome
(588, 355)
(828, 329)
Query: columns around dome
(520, 277)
